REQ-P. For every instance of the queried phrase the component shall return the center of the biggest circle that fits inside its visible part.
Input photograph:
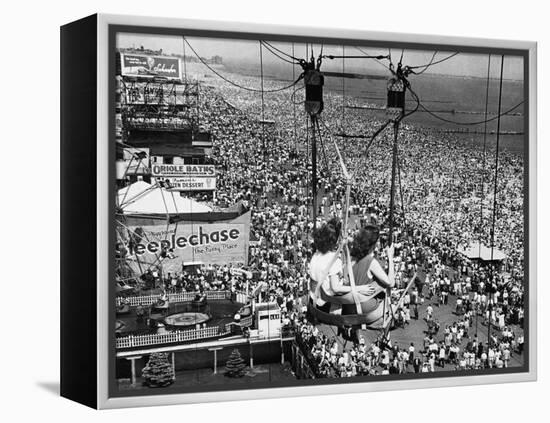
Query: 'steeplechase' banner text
(184, 243)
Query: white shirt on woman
(319, 271)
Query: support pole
(495, 204)
(282, 347)
(392, 220)
(477, 316)
(490, 309)
(393, 177)
(133, 367)
(215, 350)
(133, 361)
(215, 361)
(314, 171)
(174, 362)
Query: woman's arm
(336, 285)
(386, 280)
(339, 289)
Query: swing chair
(382, 316)
(379, 318)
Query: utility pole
(393, 177)
(313, 83)
(314, 171)
(495, 191)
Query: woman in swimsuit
(325, 268)
(368, 272)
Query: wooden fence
(180, 297)
(132, 341)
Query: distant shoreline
(512, 139)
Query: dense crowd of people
(262, 155)
(456, 351)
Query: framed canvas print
(256, 211)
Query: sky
(247, 52)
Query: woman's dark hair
(364, 242)
(325, 238)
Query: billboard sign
(190, 183)
(183, 170)
(146, 66)
(186, 177)
(220, 242)
(154, 92)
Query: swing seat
(373, 320)
(379, 318)
(367, 311)
(349, 299)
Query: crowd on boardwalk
(262, 161)
(457, 350)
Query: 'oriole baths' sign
(185, 177)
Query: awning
(478, 251)
(144, 198)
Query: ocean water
(460, 99)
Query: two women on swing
(330, 293)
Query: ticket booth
(268, 320)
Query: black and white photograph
(246, 211)
(290, 211)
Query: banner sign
(183, 170)
(172, 247)
(182, 177)
(157, 93)
(145, 66)
(190, 184)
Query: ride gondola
(381, 316)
